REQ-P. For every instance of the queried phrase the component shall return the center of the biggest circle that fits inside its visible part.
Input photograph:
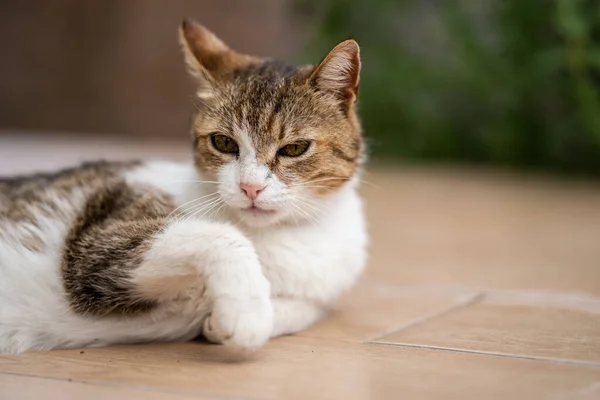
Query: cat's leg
(241, 313)
(294, 315)
(136, 267)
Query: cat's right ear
(203, 52)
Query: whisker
(184, 216)
(330, 178)
(370, 184)
(191, 201)
(212, 207)
(205, 206)
(317, 210)
(315, 187)
(216, 211)
(333, 178)
(305, 214)
(320, 204)
(295, 220)
(193, 208)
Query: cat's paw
(240, 323)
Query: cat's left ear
(339, 72)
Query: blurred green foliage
(503, 82)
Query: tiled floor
(480, 286)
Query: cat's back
(38, 188)
(37, 210)
(27, 199)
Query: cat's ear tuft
(203, 52)
(339, 72)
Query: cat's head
(279, 140)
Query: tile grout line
(527, 297)
(473, 299)
(141, 388)
(489, 353)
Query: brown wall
(113, 66)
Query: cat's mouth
(256, 210)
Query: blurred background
(506, 83)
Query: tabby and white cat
(252, 240)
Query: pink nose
(251, 189)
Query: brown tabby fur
(111, 229)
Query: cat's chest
(289, 249)
(317, 262)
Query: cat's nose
(251, 189)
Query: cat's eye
(294, 149)
(224, 144)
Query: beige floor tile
(483, 231)
(371, 311)
(304, 368)
(16, 387)
(555, 333)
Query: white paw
(241, 323)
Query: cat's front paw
(240, 323)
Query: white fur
(208, 268)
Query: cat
(253, 239)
